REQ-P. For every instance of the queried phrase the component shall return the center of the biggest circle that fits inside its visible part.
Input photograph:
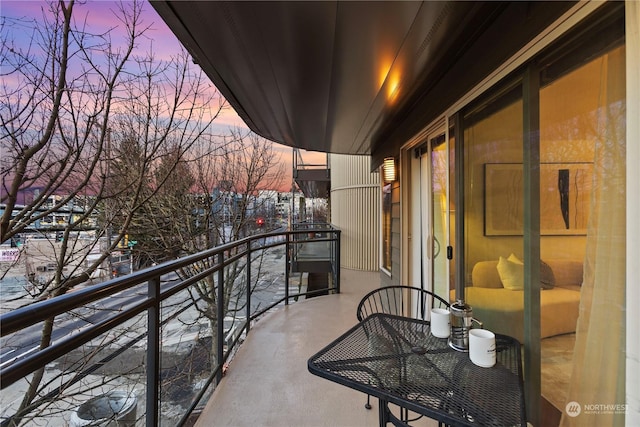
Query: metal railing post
(220, 315)
(287, 261)
(153, 353)
(337, 260)
(249, 285)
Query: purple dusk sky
(100, 16)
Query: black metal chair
(399, 300)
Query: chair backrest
(400, 300)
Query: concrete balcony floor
(268, 384)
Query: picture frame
(565, 192)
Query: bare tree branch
(73, 105)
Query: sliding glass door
(429, 215)
(544, 199)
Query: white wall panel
(355, 209)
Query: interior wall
(498, 139)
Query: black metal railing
(160, 336)
(315, 248)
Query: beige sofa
(502, 310)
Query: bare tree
(218, 209)
(244, 167)
(74, 106)
(247, 165)
(210, 197)
(165, 226)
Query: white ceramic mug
(482, 347)
(440, 323)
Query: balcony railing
(158, 339)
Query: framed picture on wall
(565, 191)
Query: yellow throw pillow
(514, 276)
(513, 258)
(511, 274)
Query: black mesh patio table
(397, 360)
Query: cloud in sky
(100, 16)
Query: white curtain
(596, 395)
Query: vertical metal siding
(355, 209)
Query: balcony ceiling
(322, 76)
(325, 76)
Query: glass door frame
(419, 215)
